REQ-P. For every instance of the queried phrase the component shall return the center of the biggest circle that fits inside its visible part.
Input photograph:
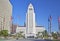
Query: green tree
(54, 35)
(0, 33)
(20, 34)
(4, 33)
(39, 35)
(45, 34)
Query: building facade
(5, 15)
(30, 29)
(13, 28)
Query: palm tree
(39, 35)
(45, 34)
(20, 35)
(54, 35)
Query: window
(30, 8)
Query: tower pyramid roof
(30, 5)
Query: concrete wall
(19, 29)
(39, 29)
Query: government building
(30, 28)
(5, 15)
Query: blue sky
(43, 9)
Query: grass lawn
(0, 39)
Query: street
(27, 40)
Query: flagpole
(49, 26)
(59, 24)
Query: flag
(50, 18)
(11, 18)
(4, 19)
(59, 19)
(59, 22)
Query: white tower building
(30, 30)
(30, 20)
